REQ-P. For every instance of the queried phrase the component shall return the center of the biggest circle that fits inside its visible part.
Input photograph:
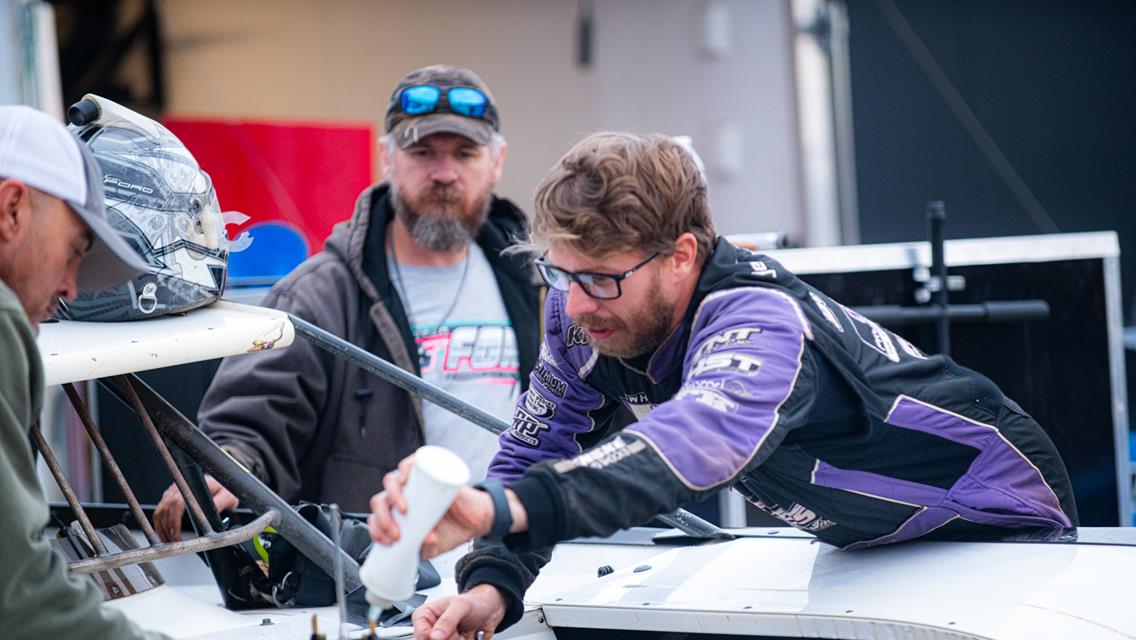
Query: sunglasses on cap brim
(427, 98)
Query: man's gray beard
(439, 232)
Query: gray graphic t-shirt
(466, 346)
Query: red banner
(294, 181)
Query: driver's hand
(469, 516)
(171, 508)
(480, 609)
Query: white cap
(39, 151)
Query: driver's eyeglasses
(601, 286)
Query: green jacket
(38, 598)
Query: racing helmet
(161, 202)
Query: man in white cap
(54, 241)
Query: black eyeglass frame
(578, 276)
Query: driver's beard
(646, 333)
(437, 220)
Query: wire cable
(966, 116)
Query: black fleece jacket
(314, 427)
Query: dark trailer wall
(1057, 368)
(1053, 85)
(1052, 82)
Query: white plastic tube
(390, 572)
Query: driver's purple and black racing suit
(813, 412)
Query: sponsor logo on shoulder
(762, 271)
(911, 349)
(708, 397)
(880, 338)
(555, 385)
(577, 337)
(727, 338)
(526, 428)
(539, 405)
(826, 311)
(742, 363)
(602, 456)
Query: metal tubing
(195, 480)
(112, 465)
(340, 594)
(681, 519)
(170, 549)
(251, 491)
(195, 511)
(224, 563)
(936, 217)
(995, 311)
(843, 136)
(694, 526)
(68, 492)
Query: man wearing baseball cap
(54, 241)
(417, 277)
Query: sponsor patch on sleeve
(741, 363)
(539, 406)
(709, 397)
(577, 337)
(526, 428)
(730, 385)
(602, 456)
(727, 338)
(546, 377)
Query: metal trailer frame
(165, 424)
(1102, 245)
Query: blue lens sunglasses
(427, 98)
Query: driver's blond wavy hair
(615, 192)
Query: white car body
(777, 583)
